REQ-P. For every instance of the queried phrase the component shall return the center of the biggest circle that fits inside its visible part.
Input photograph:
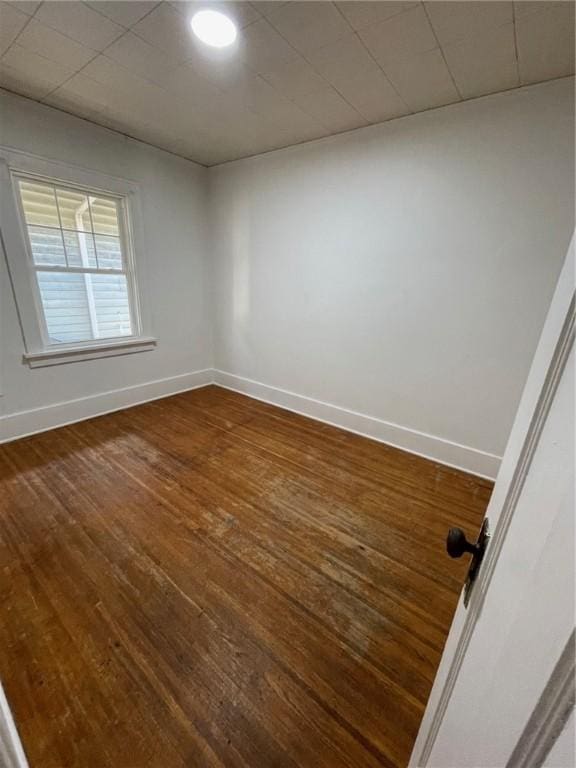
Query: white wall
(174, 205)
(393, 280)
(402, 271)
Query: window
(79, 255)
(72, 241)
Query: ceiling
(299, 70)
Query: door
(504, 690)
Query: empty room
(287, 328)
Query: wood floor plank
(207, 580)
(307, 524)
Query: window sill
(62, 355)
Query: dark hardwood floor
(207, 580)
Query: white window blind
(78, 247)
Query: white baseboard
(24, 423)
(430, 447)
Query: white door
(504, 691)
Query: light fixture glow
(214, 28)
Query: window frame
(128, 267)
(39, 349)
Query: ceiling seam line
(460, 96)
(289, 98)
(64, 34)
(126, 29)
(515, 42)
(371, 125)
(101, 53)
(371, 55)
(311, 93)
(15, 41)
(178, 63)
(263, 77)
(67, 80)
(96, 54)
(331, 85)
(104, 127)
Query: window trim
(71, 353)
(128, 266)
(21, 268)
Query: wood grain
(207, 580)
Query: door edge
(552, 353)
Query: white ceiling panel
(27, 63)
(262, 48)
(222, 70)
(294, 78)
(12, 22)
(260, 98)
(144, 100)
(108, 72)
(192, 87)
(25, 83)
(400, 37)
(361, 15)
(423, 81)
(331, 110)
(253, 92)
(84, 95)
(266, 7)
(546, 43)
(309, 25)
(140, 57)
(123, 12)
(457, 21)
(289, 117)
(485, 63)
(343, 60)
(55, 46)
(298, 70)
(524, 8)
(373, 96)
(166, 29)
(80, 22)
(26, 6)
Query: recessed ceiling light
(214, 28)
